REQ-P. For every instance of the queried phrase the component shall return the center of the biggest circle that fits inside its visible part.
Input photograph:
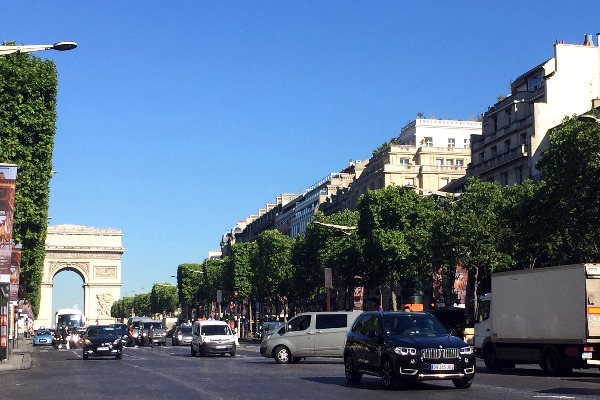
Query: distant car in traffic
(212, 336)
(102, 341)
(403, 347)
(182, 335)
(43, 337)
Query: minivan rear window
(328, 321)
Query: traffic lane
(532, 378)
(525, 381)
(172, 373)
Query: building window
(466, 143)
(428, 141)
(494, 151)
(449, 162)
(507, 145)
(504, 178)
(439, 162)
(451, 143)
(443, 182)
(404, 161)
(495, 123)
(508, 112)
(523, 138)
(481, 157)
(519, 174)
(409, 181)
(460, 162)
(535, 82)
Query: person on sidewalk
(151, 334)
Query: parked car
(182, 335)
(310, 334)
(403, 347)
(102, 341)
(43, 337)
(212, 336)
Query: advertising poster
(8, 176)
(461, 280)
(15, 270)
(438, 289)
(358, 298)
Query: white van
(311, 334)
(212, 336)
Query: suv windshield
(210, 330)
(412, 324)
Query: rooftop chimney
(588, 40)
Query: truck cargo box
(547, 305)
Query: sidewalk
(20, 357)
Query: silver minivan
(310, 334)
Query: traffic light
(236, 292)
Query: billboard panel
(8, 177)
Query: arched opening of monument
(67, 291)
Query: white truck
(546, 316)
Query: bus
(69, 317)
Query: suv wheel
(352, 375)
(282, 355)
(388, 375)
(462, 383)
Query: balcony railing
(499, 160)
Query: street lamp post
(60, 46)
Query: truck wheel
(490, 359)
(552, 363)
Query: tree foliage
(163, 298)
(569, 202)
(28, 87)
(395, 224)
(272, 265)
(238, 271)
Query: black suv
(403, 347)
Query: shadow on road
(374, 383)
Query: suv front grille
(436, 354)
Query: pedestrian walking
(130, 337)
(151, 334)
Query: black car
(403, 347)
(102, 341)
(182, 335)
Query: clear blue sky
(176, 120)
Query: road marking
(551, 396)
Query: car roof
(211, 322)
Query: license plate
(442, 367)
(586, 356)
(102, 349)
(220, 347)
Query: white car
(212, 336)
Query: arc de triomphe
(95, 255)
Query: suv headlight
(466, 350)
(406, 351)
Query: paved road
(171, 373)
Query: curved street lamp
(60, 46)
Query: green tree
(210, 281)
(473, 228)
(189, 277)
(141, 304)
(163, 298)
(568, 202)
(28, 87)
(272, 267)
(237, 269)
(326, 244)
(395, 224)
